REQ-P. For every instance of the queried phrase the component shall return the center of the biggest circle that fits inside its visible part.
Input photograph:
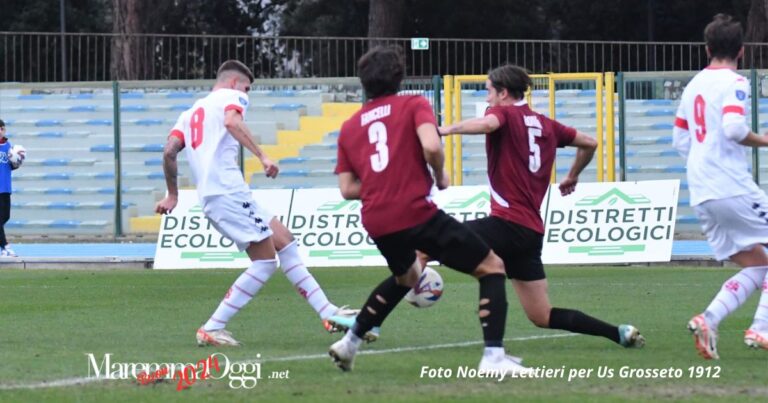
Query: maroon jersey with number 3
(520, 157)
(380, 146)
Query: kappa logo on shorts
(741, 95)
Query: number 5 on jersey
(377, 134)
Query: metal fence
(38, 57)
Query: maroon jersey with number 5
(520, 157)
(380, 146)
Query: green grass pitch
(50, 320)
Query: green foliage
(43, 15)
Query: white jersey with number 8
(211, 150)
(709, 124)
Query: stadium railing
(36, 57)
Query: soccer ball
(427, 291)
(16, 156)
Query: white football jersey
(717, 165)
(211, 150)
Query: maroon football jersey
(520, 157)
(380, 146)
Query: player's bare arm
(171, 170)
(755, 140)
(433, 153)
(484, 125)
(234, 123)
(349, 184)
(586, 150)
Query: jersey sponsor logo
(741, 95)
(243, 101)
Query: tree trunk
(385, 20)
(757, 31)
(129, 60)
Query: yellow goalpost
(604, 117)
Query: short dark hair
(2, 124)
(381, 70)
(724, 37)
(234, 65)
(512, 78)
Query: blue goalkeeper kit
(5, 166)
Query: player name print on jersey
(375, 114)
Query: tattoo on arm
(170, 167)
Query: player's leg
(405, 269)
(235, 217)
(294, 269)
(735, 228)
(520, 248)
(5, 215)
(535, 301)
(757, 334)
(456, 246)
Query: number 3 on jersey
(700, 117)
(196, 127)
(377, 134)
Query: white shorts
(238, 217)
(734, 224)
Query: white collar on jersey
(521, 102)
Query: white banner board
(599, 223)
(620, 222)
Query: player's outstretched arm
(433, 153)
(234, 123)
(755, 140)
(586, 149)
(171, 170)
(483, 125)
(349, 185)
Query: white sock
(304, 282)
(245, 287)
(761, 316)
(735, 291)
(495, 353)
(351, 337)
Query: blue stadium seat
(56, 162)
(132, 95)
(30, 97)
(133, 108)
(149, 122)
(282, 93)
(47, 123)
(177, 95)
(103, 148)
(153, 148)
(659, 112)
(287, 107)
(99, 122)
(82, 108)
(658, 102)
(80, 96)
